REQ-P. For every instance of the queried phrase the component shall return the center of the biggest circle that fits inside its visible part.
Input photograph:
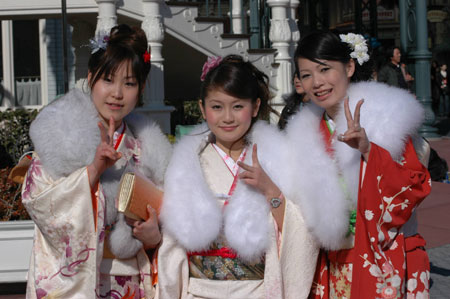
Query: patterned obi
(220, 263)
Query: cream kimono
(215, 250)
(82, 246)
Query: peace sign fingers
(355, 136)
(353, 123)
(256, 176)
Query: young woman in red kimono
(356, 174)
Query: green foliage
(192, 113)
(11, 207)
(14, 127)
(14, 139)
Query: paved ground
(433, 219)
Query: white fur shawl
(65, 136)
(190, 211)
(389, 115)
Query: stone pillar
(415, 39)
(107, 17)
(236, 16)
(9, 83)
(154, 88)
(280, 36)
(82, 32)
(293, 23)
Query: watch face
(275, 202)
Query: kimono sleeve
(63, 260)
(391, 191)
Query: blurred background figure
(294, 102)
(441, 78)
(391, 73)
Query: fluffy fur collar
(190, 211)
(65, 135)
(389, 115)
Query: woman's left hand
(355, 136)
(256, 176)
(146, 231)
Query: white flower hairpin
(99, 41)
(358, 45)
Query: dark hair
(240, 79)
(326, 45)
(390, 52)
(125, 43)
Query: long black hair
(326, 45)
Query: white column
(154, 29)
(107, 16)
(236, 16)
(82, 32)
(8, 63)
(154, 87)
(43, 62)
(280, 36)
(293, 22)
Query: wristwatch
(275, 202)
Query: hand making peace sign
(256, 176)
(105, 155)
(355, 136)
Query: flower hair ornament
(211, 63)
(358, 45)
(147, 56)
(99, 41)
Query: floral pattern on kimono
(382, 263)
(64, 236)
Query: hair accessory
(211, 63)
(100, 41)
(146, 56)
(358, 45)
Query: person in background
(294, 102)
(442, 82)
(391, 73)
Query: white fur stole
(389, 115)
(190, 211)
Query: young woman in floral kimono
(228, 230)
(84, 248)
(357, 175)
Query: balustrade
(244, 16)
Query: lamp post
(414, 41)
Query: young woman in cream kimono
(83, 248)
(228, 230)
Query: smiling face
(116, 95)
(228, 118)
(325, 83)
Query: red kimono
(376, 264)
(332, 179)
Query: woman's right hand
(146, 231)
(105, 155)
